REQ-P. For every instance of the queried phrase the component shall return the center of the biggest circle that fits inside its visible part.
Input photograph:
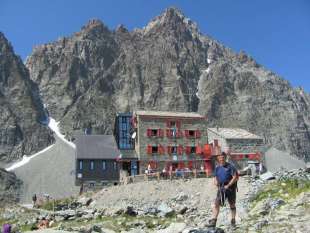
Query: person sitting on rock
(226, 181)
(43, 224)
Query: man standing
(226, 181)
(34, 200)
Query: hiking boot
(212, 222)
(233, 222)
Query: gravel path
(51, 173)
(196, 194)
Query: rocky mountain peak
(5, 46)
(121, 29)
(2, 37)
(93, 23)
(172, 19)
(94, 27)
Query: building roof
(235, 133)
(96, 147)
(169, 114)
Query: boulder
(165, 210)
(267, 176)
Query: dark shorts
(228, 194)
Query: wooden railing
(165, 176)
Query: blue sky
(276, 33)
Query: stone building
(169, 140)
(241, 145)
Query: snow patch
(26, 159)
(53, 125)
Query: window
(104, 165)
(154, 149)
(154, 132)
(80, 164)
(124, 120)
(191, 133)
(115, 165)
(92, 165)
(173, 124)
(125, 141)
(173, 149)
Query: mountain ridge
(21, 108)
(167, 65)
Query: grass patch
(52, 204)
(283, 189)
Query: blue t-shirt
(225, 173)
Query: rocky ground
(279, 205)
(9, 187)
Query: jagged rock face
(168, 65)
(9, 188)
(240, 95)
(20, 108)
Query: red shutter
(158, 133)
(178, 123)
(186, 133)
(198, 149)
(197, 134)
(149, 149)
(179, 134)
(169, 150)
(180, 150)
(169, 133)
(149, 132)
(188, 150)
(207, 150)
(161, 149)
(253, 156)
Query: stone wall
(160, 123)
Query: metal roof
(96, 147)
(169, 114)
(236, 133)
